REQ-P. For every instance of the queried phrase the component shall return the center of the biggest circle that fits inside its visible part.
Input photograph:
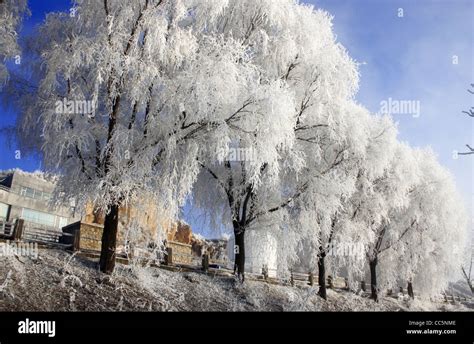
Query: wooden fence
(47, 237)
(77, 237)
(11, 230)
(19, 230)
(6, 228)
(178, 256)
(454, 298)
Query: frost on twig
(74, 280)
(3, 287)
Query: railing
(454, 298)
(11, 231)
(44, 236)
(6, 228)
(41, 234)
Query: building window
(30, 193)
(27, 192)
(4, 211)
(35, 194)
(23, 191)
(39, 217)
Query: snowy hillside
(57, 281)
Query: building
(27, 195)
(142, 216)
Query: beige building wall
(145, 215)
(27, 194)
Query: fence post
(311, 279)
(205, 262)
(330, 282)
(76, 246)
(362, 286)
(169, 256)
(131, 251)
(265, 272)
(18, 230)
(292, 280)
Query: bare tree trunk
(410, 290)
(322, 276)
(240, 252)
(471, 286)
(109, 240)
(373, 279)
(467, 276)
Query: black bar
(368, 327)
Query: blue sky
(403, 58)
(411, 58)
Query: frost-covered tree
(106, 107)
(248, 104)
(11, 13)
(428, 238)
(142, 96)
(342, 236)
(283, 88)
(332, 177)
(377, 198)
(416, 227)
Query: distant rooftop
(6, 179)
(6, 176)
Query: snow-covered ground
(58, 281)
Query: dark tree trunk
(373, 280)
(109, 240)
(240, 253)
(322, 276)
(467, 276)
(410, 290)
